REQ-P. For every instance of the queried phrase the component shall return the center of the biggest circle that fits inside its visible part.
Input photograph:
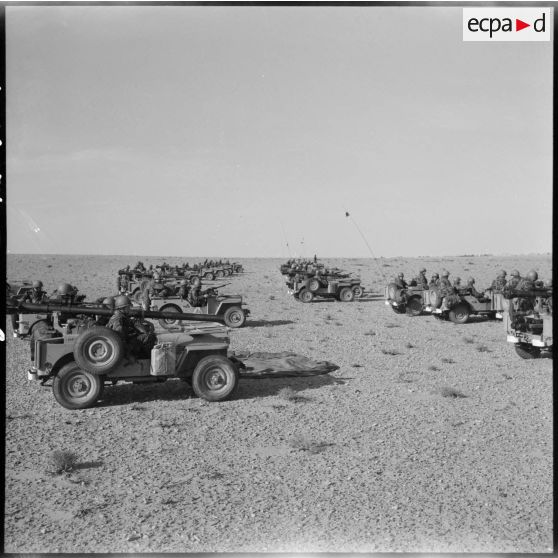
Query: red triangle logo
(519, 25)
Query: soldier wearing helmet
(445, 284)
(195, 297)
(528, 283)
(64, 294)
(400, 281)
(138, 338)
(457, 283)
(499, 283)
(514, 280)
(421, 279)
(434, 281)
(183, 289)
(36, 295)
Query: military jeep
(305, 289)
(458, 307)
(81, 362)
(528, 322)
(413, 300)
(228, 307)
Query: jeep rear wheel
(209, 276)
(414, 306)
(305, 296)
(234, 317)
(167, 323)
(346, 295)
(75, 388)
(215, 378)
(527, 351)
(220, 274)
(459, 314)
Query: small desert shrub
(271, 297)
(289, 394)
(392, 325)
(357, 365)
(303, 443)
(451, 392)
(390, 352)
(433, 368)
(63, 461)
(468, 340)
(369, 333)
(329, 317)
(483, 349)
(386, 265)
(338, 324)
(410, 346)
(448, 361)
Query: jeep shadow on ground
(267, 323)
(270, 386)
(124, 394)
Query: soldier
(36, 295)
(445, 285)
(123, 284)
(195, 298)
(64, 294)
(457, 283)
(137, 338)
(528, 283)
(421, 279)
(472, 289)
(434, 281)
(183, 289)
(499, 283)
(400, 281)
(515, 279)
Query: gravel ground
(430, 437)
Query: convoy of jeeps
(72, 346)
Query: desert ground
(430, 437)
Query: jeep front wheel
(215, 378)
(305, 296)
(414, 306)
(98, 350)
(459, 314)
(346, 295)
(234, 317)
(74, 388)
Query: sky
(251, 131)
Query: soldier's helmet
(197, 281)
(122, 301)
(65, 289)
(445, 274)
(401, 276)
(37, 284)
(457, 280)
(435, 276)
(532, 275)
(109, 301)
(515, 273)
(502, 273)
(471, 280)
(422, 270)
(156, 275)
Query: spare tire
(435, 298)
(392, 291)
(313, 285)
(99, 350)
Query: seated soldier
(434, 281)
(195, 296)
(421, 280)
(138, 338)
(183, 289)
(400, 281)
(457, 283)
(471, 289)
(499, 283)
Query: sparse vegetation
(451, 392)
(369, 333)
(391, 352)
(304, 443)
(468, 340)
(448, 360)
(433, 368)
(63, 461)
(410, 346)
(289, 394)
(392, 325)
(483, 349)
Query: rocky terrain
(430, 437)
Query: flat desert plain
(430, 437)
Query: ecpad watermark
(507, 24)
